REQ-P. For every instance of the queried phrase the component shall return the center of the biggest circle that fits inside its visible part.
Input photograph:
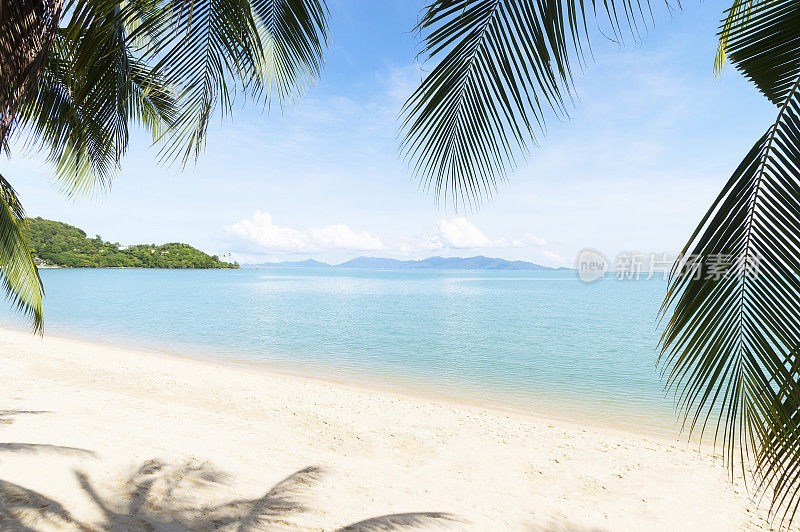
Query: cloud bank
(460, 233)
(260, 233)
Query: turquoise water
(538, 341)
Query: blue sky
(652, 139)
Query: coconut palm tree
(75, 75)
(731, 342)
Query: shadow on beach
(164, 497)
(161, 496)
(7, 418)
(564, 526)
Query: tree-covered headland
(58, 244)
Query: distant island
(431, 263)
(58, 244)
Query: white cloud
(260, 234)
(553, 256)
(260, 230)
(459, 233)
(339, 236)
(536, 240)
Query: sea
(531, 341)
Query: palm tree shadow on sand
(564, 526)
(164, 497)
(24, 510)
(7, 417)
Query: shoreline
(92, 428)
(56, 267)
(390, 384)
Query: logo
(591, 265)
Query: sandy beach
(96, 437)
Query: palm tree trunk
(27, 28)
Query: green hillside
(60, 244)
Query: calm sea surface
(539, 341)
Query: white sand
(81, 419)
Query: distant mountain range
(431, 263)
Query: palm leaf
(293, 37)
(734, 298)
(730, 348)
(212, 49)
(504, 65)
(202, 46)
(779, 456)
(26, 32)
(167, 65)
(90, 91)
(164, 64)
(20, 277)
(760, 38)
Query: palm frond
(504, 65)
(778, 459)
(92, 88)
(20, 277)
(212, 49)
(733, 300)
(293, 37)
(167, 65)
(26, 32)
(739, 11)
(203, 46)
(761, 39)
